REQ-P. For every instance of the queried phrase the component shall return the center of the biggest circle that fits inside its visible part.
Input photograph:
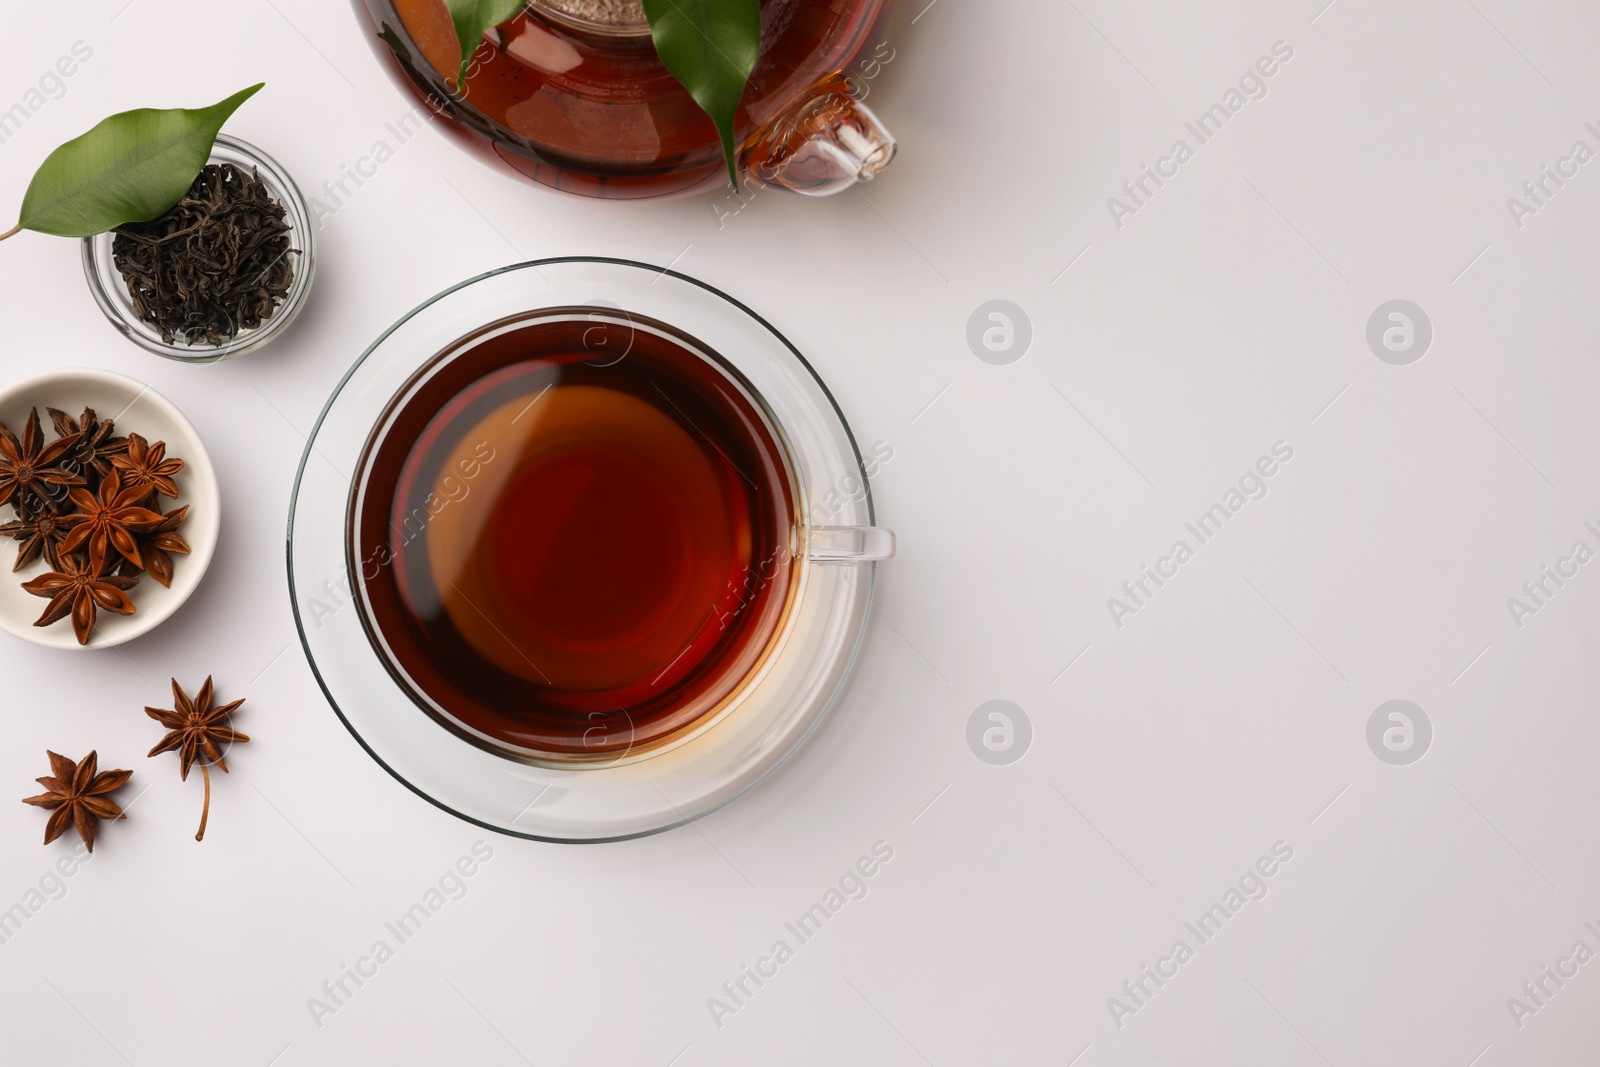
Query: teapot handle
(823, 143)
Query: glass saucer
(778, 708)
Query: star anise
(76, 796)
(146, 465)
(80, 587)
(108, 521)
(198, 733)
(28, 467)
(156, 545)
(40, 532)
(95, 446)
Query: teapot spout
(822, 144)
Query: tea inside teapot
(572, 94)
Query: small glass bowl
(111, 292)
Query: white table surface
(1226, 314)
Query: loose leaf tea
(131, 167)
(90, 505)
(215, 264)
(199, 733)
(75, 795)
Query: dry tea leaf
(214, 265)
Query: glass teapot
(572, 95)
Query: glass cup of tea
(602, 550)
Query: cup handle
(849, 544)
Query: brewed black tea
(575, 536)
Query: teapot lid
(614, 18)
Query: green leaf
(474, 18)
(132, 167)
(710, 46)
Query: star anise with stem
(76, 796)
(108, 521)
(95, 446)
(29, 467)
(146, 465)
(156, 546)
(80, 588)
(199, 732)
(41, 533)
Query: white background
(1227, 314)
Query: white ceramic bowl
(136, 408)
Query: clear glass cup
(110, 291)
(774, 709)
